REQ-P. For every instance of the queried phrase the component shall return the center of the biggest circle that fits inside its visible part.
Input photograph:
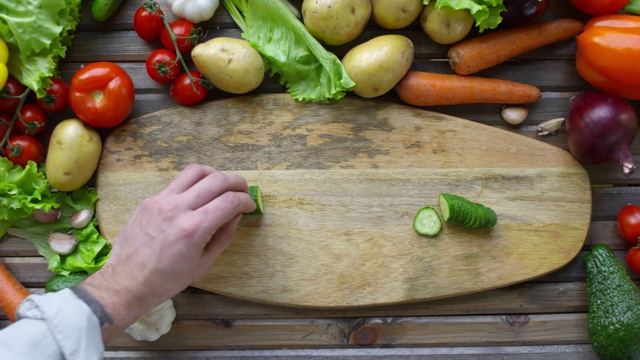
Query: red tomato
(182, 90)
(57, 97)
(5, 120)
(101, 94)
(633, 259)
(186, 33)
(32, 119)
(599, 7)
(162, 66)
(22, 148)
(147, 21)
(11, 88)
(629, 223)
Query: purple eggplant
(523, 12)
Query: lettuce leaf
(485, 12)
(37, 33)
(304, 66)
(633, 7)
(22, 191)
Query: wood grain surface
(342, 182)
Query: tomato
(56, 98)
(101, 94)
(32, 119)
(599, 7)
(182, 90)
(629, 223)
(11, 88)
(5, 120)
(186, 33)
(633, 259)
(147, 21)
(22, 148)
(162, 66)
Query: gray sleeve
(65, 328)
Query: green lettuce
(22, 191)
(38, 33)
(633, 7)
(485, 12)
(305, 67)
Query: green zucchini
(256, 195)
(427, 222)
(458, 210)
(101, 10)
(59, 282)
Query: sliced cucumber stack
(427, 222)
(458, 210)
(256, 195)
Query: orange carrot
(12, 293)
(428, 89)
(484, 51)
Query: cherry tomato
(162, 66)
(182, 90)
(186, 33)
(147, 21)
(32, 119)
(56, 98)
(11, 88)
(101, 94)
(5, 120)
(629, 223)
(633, 259)
(599, 7)
(22, 148)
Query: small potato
(231, 64)
(336, 22)
(377, 65)
(73, 155)
(446, 25)
(395, 14)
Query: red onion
(600, 127)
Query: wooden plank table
(544, 318)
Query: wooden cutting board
(342, 183)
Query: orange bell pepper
(609, 53)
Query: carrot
(482, 52)
(12, 293)
(428, 89)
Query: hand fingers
(188, 177)
(219, 242)
(212, 186)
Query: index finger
(188, 177)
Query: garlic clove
(47, 217)
(515, 115)
(550, 127)
(81, 218)
(62, 244)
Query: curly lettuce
(23, 191)
(633, 7)
(38, 33)
(304, 66)
(485, 12)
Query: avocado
(614, 306)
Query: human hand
(171, 239)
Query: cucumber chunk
(256, 195)
(427, 222)
(458, 210)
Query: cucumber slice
(256, 195)
(427, 222)
(458, 210)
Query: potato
(231, 64)
(377, 65)
(336, 22)
(395, 14)
(446, 25)
(73, 154)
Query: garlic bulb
(194, 11)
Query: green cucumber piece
(459, 210)
(60, 282)
(101, 10)
(256, 195)
(427, 222)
